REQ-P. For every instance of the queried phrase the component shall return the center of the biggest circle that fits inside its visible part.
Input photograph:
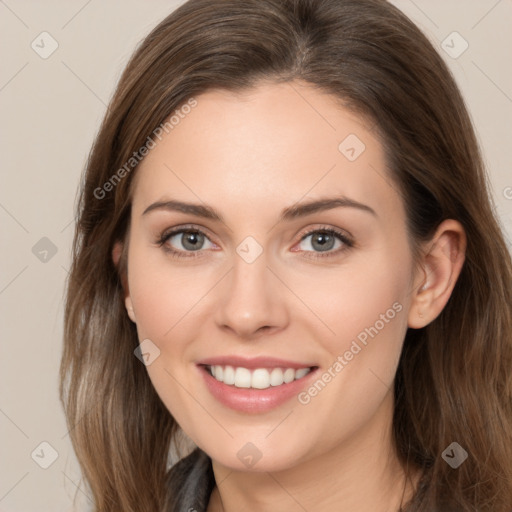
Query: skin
(250, 155)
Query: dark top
(193, 481)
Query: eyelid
(342, 233)
(166, 233)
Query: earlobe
(129, 309)
(439, 270)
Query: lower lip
(254, 400)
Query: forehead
(272, 144)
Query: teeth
(242, 378)
(289, 375)
(260, 378)
(229, 375)
(276, 377)
(301, 373)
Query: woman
(286, 250)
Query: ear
(119, 259)
(438, 272)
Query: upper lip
(253, 363)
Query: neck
(362, 474)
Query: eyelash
(166, 235)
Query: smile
(256, 385)
(259, 378)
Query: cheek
(367, 315)
(358, 300)
(364, 308)
(166, 301)
(162, 294)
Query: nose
(252, 301)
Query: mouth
(257, 385)
(259, 378)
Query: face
(301, 310)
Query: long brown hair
(453, 382)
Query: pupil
(323, 240)
(191, 239)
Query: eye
(323, 240)
(184, 242)
(189, 242)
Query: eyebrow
(292, 212)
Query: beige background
(51, 109)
